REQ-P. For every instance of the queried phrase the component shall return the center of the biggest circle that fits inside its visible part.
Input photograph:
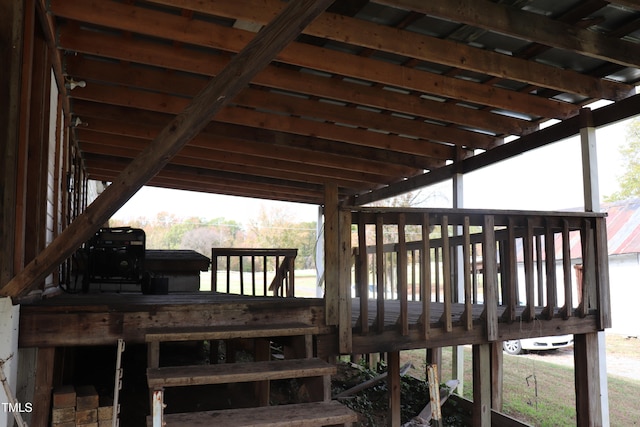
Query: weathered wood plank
(466, 267)
(394, 388)
(242, 68)
(425, 277)
(567, 271)
(380, 269)
(178, 376)
(363, 276)
(550, 267)
(403, 296)
(587, 379)
(331, 254)
(43, 386)
(446, 270)
(528, 272)
(345, 257)
(481, 385)
(602, 272)
(490, 278)
(228, 332)
(302, 414)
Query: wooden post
(331, 254)
(258, 53)
(344, 244)
(587, 380)
(592, 204)
(393, 385)
(497, 376)
(481, 385)
(12, 32)
(43, 386)
(490, 278)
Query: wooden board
(232, 331)
(304, 414)
(237, 372)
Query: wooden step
(302, 414)
(226, 373)
(230, 332)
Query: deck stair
(323, 412)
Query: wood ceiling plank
(140, 123)
(130, 147)
(304, 55)
(527, 26)
(413, 45)
(254, 56)
(242, 116)
(289, 80)
(186, 174)
(183, 85)
(214, 146)
(215, 187)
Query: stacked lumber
(80, 407)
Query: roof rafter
(528, 26)
(209, 35)
(420, 47)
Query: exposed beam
(278, 78)
(250, 165)
(331, 61)
(527, 26)
(568, 128)
(413, 45)
(182, 85)
(213, 147)
(248, 117)
(147, 124)
(254, 56)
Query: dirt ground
(623, 356)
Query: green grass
(542, 393)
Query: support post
(595, 393)
(11, 35)
(457, 352)
(586, 354)
(481, 385)
(331, 254)
(43, 386)
(393, 385)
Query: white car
(541, 343)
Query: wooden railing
(508, 265)
(256, 272)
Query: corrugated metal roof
(623, 226)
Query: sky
(549, 178)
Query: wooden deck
(391, 339)
(101, 319)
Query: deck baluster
(446, 276)
(550, 263)
(567, 309)
(529, 313)
(402, 276)
(425, 276)
(468, 292)
(363, 276)
(511, 284)
(490, 277)
(380, 273)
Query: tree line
(270, 228)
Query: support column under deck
(591, 382)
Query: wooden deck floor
(103, 318)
